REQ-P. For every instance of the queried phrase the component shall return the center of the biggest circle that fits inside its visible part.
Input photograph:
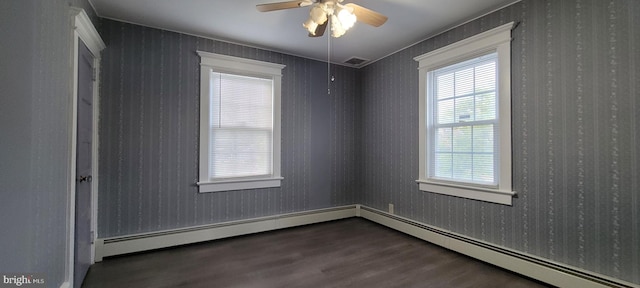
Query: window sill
(483, 194)
(238, 184)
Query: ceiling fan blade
(367, 16)
(280, 5)
(320, 30)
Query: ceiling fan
(341, 16)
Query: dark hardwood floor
(346, 253)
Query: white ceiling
(410, 21)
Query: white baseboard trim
(544, 270)
(147, 241)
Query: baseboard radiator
(544, 270)
(106, 247)
(547, 271)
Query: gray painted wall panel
(575, 136)
(15, 124)
(35, 109)
(149, 135)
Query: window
(465, 118)
(239, 123)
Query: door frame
(83, 31)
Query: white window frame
(495, 40)
(212, 62)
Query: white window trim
(228, 64)
(495, 40)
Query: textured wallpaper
(149, 135)
(576, 151)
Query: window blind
(241, 126)
(464, 122)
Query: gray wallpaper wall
(576, 97)
(34, 146)
(149, 135)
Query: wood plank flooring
(346, 253)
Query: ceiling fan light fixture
(310, 25)
(317, 17)
(346, 17)
(336, 27)
(318, 14)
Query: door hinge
(94, 74)
(92, 235)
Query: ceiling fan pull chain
(329, 58)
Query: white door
(82, 258)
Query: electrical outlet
(390, 208)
